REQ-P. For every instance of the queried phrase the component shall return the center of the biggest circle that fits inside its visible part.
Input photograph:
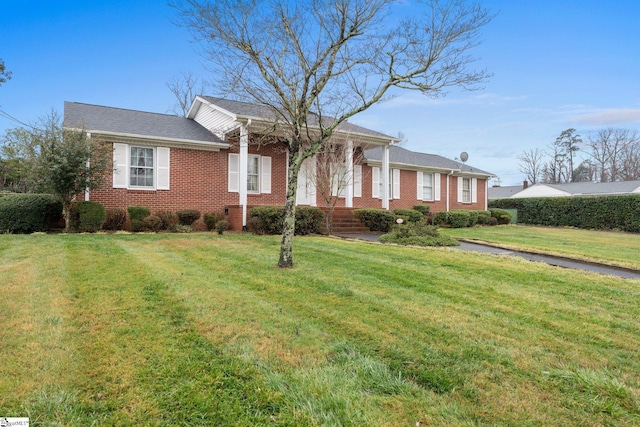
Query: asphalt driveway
(548, 259)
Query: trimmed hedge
(412, 215)
(589, 212)
(211, 218)
(418, 234)
(28, 213)
(268, 220)
(115, 219)
(136, 215)
(376, 219)
(86, 216)
(188, 216)
(501, 215)
(424, 209)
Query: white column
(348, 200)
(244, 160)
(385, 177)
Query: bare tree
(331, 176)
(317, 63)
(615, 151)
(185, 88)
(531, 164)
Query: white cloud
(608, 117)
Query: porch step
(343, 221)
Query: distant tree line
(606, 155)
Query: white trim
(120, 165)
(348, 193)
(233, 175)
(375, 182)
(474, 190)
(357, 180)
(265, 175)
(163, 162)
(395, 181)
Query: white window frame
(151, 168)
(394, 183)
(264, 174)
(123, 165)
(256, 175)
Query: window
(258, 174)
(466, 190)
(253, 174)
(141, 171)
(394, 183)
(141, 168)
(427, 186)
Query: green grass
(203, 329)
(614, 248)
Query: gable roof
(134, 124)
(404, 157)
(580, 189)
(246, 110)
(503, 192)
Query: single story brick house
(216, 160)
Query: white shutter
(460, 181)
(162, 163)
(234, 173)
(419, 184)
(436, 187)
(357, 181)
(396, 183)
(375, 182)
(265, 175)
(120, 165)
(474, 190)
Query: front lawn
(203, 329)
(608, 247)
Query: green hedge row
(268, 220)
(28, 213)
(460, 218)
(597, 212)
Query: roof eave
(149, 139)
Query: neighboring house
(499, 192)
(579, 189)
(218, 159)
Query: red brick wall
(408, 193)
(198, 180)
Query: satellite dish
(464, 156)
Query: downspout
(244, 160)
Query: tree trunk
(289, 226)
(66, 214)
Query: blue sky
(556, 65)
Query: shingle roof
(595, 188)
(96, 118)
(403, 156)
(503, 192)
(265, 113)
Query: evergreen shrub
(28, 213)
(86, 216)
(376, 219)
(188, 216)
